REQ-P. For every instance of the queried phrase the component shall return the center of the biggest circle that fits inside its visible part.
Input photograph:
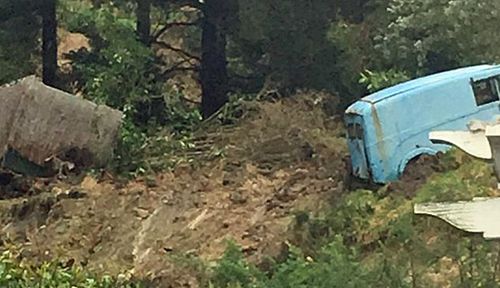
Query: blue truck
(389, 128)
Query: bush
(119, 71)
(426, 36)
(233, 271)
(16, 274)
(375, 81)
(122, 73)
(335, 266)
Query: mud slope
(281, 158)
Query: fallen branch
(191, 101)
(167, 26)
(177, 67)
(178, 50)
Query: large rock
(39, 123)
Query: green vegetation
(16, 274)
(18, 35)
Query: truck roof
(450, 75)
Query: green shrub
(233, 271)
(16, 274)
(375, 81)
(122, 73)
(335, 266)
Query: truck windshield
(354, 131)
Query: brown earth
(418, 171)
(69, 42)
(281, 158)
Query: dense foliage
(16, 274)
(19, 23)
(321, 45)
(346, 47)
(429, 36)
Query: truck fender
(413, 154)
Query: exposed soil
(418, 171)
(281, 158)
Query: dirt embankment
(281, 158)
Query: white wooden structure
(481, 215)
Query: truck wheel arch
(413, 155)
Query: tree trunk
(213, 74)
(144, 21)
(49, 42)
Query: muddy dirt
(418, 171)
(281, 158)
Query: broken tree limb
(40, 122)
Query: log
(40, 123)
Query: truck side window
(485, 91)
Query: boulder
(39, 124)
